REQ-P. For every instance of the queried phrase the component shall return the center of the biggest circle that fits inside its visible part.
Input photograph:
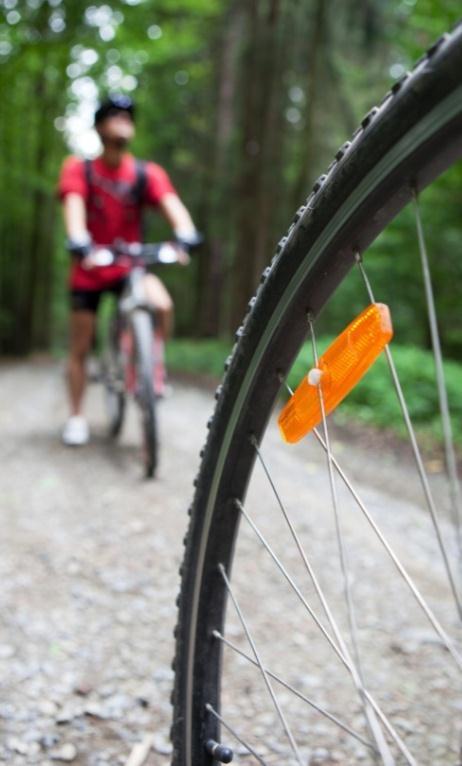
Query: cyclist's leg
(117, 371)
(159, 298)
(84, 305)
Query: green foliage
(171, 54)
(373, 401)
(205, 357)
(394, 269)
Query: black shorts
(88, 300)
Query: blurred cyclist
(102, 203)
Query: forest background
(245, 103)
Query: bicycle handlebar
(147, 254)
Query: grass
(373, 401)
(197, 357)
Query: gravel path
(89, 573)
(89, 556)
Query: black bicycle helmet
(113, 104)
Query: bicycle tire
(142, 329)
(113, 380)
(115, 404)
(401, 146)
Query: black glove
(79, 248)
(190, 242)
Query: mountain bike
(132, 361)
(252, 681)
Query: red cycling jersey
(112, 213)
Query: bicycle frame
(133, 295)
(133, 298)
(135, 350)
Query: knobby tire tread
(112, 362)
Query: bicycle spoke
(394, 735)
(262, 670)
(371, 719)
(341, 649)
(232, 731)
(296, 692)
(335, 507)
(342, 654)
(451, 464)
(401, 569)
(300, 549)
(417, 455)
(447, 641)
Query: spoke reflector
(338, 371)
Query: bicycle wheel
(402, 145)
(113, 381)
(142, 329)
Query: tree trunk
(258, 180)
(211, 275)
(37, 314)
(315, 48)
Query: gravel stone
(7, 651)
(48, 741)
(66, 753)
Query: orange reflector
(339, 369)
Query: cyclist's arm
(72, 189)
(75, 217)
(177, 216)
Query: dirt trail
(88, 570)
(89, 555)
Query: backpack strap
(88, 172)
(139, 187)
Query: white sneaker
(76, 431)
